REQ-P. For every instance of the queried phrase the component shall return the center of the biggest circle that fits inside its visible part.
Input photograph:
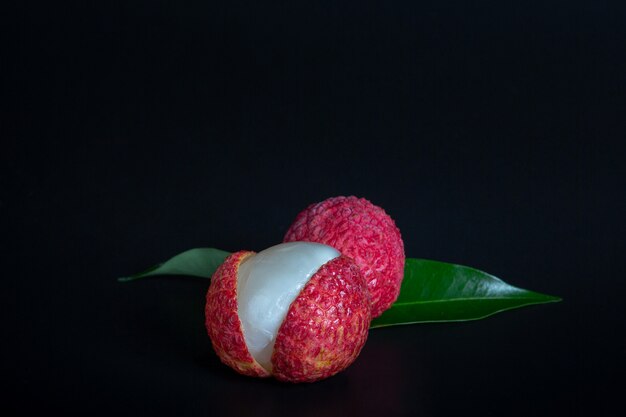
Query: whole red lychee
(362, 231)
(297, 311)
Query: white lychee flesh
(267, 284)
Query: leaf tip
(554, 299)
(126, 279)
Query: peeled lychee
(363, 232)
(297, 311)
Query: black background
(491, 131)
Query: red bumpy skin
(362, 231)
(323, 333)
(222, 318)
(326, 325)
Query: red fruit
(323, 331)
(365, 233)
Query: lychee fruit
(363, 232)
(297, 311)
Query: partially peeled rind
(323, 332)
(222, 318)
(268, 283)
(326, 326)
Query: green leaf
(199, 262)
(439, 292)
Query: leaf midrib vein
(464, 299)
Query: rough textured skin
(326, 325)
(362, 231)
(222, 319)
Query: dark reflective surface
(492, 133)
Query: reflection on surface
(379, 383)
(382, 383)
